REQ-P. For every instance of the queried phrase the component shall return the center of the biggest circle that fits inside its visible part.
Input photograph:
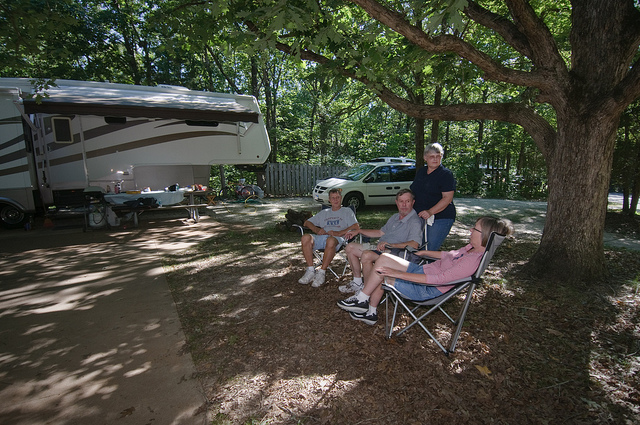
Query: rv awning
(141, 102)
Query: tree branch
(501, 25)
(540, 130)
(628, 90)
(451, 44)
(220, 66)
(545, 50)
(536, 126)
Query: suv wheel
(353, 199)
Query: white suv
(392, 160)
(371, 183)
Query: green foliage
(232, 176)
(469, 178)
(446, 13)
(314, 114)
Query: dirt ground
(271, 351)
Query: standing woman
(434, 187)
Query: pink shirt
(452, 265)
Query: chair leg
(334, 273)
(417, 320)
(386, 319)
(344, 270)
(388, 330)
(388, 327)
(319, 256)
(461, 317)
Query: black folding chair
(412, 307)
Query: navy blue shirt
(428, 189)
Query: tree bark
(269, 113)
(435, 124)
(419, 141)
(571, 248)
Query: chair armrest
(409, 253)
(428, 258)
(413, 250)
(300, 228)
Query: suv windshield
(356, 173)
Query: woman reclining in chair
(410, 278)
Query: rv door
(60, 155)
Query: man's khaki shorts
(368, 246)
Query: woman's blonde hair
(489, 224)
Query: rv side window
(115, 120)
(62, 130)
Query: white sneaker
(318, 279)
(308, 277)
(351, 287)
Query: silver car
(371, 183)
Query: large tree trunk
(579, 170)
(579, 164)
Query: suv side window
(380, 175)
(403, 173)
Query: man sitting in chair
(329, 225)
(402, 229)
(414, 281)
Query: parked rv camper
(89, 134)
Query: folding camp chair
(319, 254)
(412, 307)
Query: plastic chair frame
(411, 307)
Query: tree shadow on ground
(88, 329)
(269, 349)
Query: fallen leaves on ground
(269, 350)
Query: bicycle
(240, 192)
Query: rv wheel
(11, 217)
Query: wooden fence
(296, 179)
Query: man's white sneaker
(318, 279)
(308, 277)
(351, 287)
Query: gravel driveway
(527, 216)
